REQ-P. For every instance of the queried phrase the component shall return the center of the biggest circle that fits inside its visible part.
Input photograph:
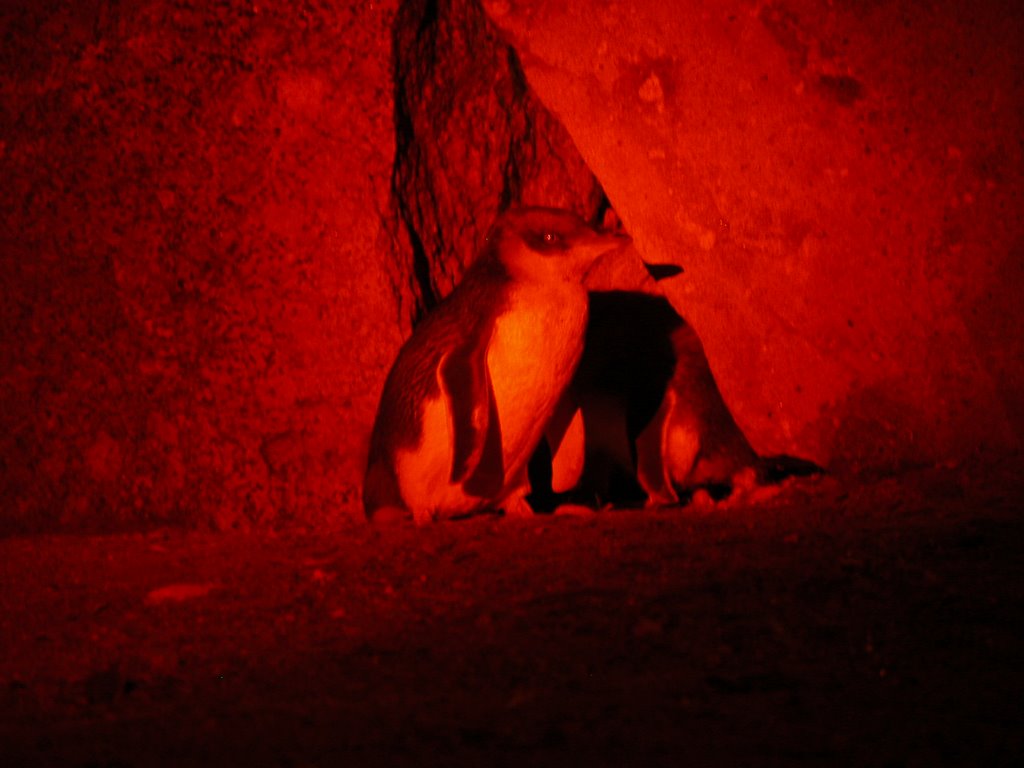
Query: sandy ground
(872, 624)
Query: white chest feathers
(533, 350)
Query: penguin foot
(702, 500)
(424, 516)
(387, 517)
(517, 506)
(574, 510)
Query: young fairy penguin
(469, 396)
(654, 426)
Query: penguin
(692, 443)
(469, 396)
(655, 430)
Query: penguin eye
(547, 241)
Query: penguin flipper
(476, 434)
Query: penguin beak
(616, 240)
(657, 271)
(604, 243)
(661, 271)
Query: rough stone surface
(472, 141)
(199, 292)
(843, 186)
(219, 221)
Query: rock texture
(843, 186)
(472, 140)
(199, 289)
(218, 222)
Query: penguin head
(549, 245)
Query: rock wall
(472, 140)
(842, 183)
(220, 220)
(199, 290)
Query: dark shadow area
(643, 378)
(838, 624)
